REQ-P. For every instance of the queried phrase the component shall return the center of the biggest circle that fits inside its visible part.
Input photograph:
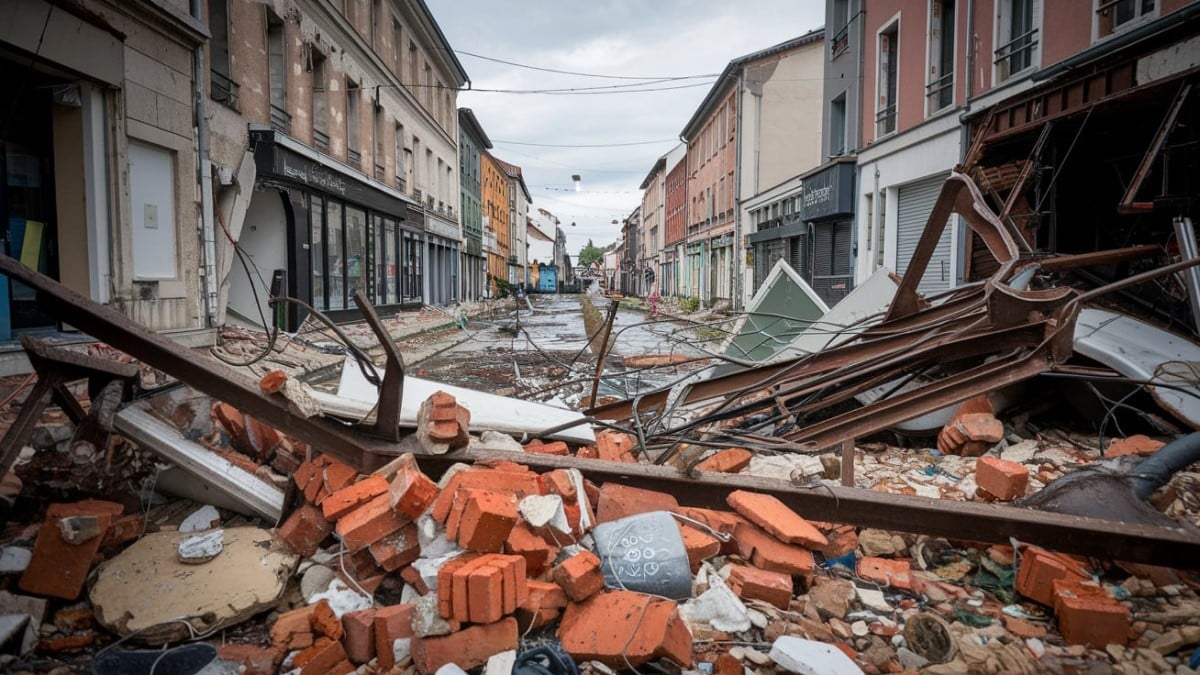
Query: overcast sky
(628, 38)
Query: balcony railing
(354, 157)
(839, 42)
(321, 140)
(885, 120)
(280, 119)
(940, 92)
(1016, 54)
(224, 90)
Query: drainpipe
(969, 81)
(739, 255)
(208, 246)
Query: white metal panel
(152, 207)
(914, 203)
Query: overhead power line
(589, 145)
(572, 72)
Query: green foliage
(590, 254)
(689, 304)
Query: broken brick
(443, 421)
(335, 476)
(397, 549)
(539, 447)
(970, 434)
(1038, 570)
(887, 571)
(700, 545)
(272, 382)
(124, 530)
(250, 659)
(1094, 621)
(324, 622)
(623, 629)
(324, 656)
(1138, 444)
(1000, 478)
(520, 483)
(304, 530)
(842, 540)
(615, 446)
(412, 492)
(487, 518)
(751, 583)
(293, 630)
(768, 553)
(359, 640)
(730, 460)
(580, 575)
(352, 496)
(724, 522)
(538, 553)
(57, 568)
(775, 517)
(618, 501)
(467, 648)
(391, 623)
(369, 523)
(543, 594)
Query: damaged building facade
(100, 165)
(334, 141)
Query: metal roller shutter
(914, 203)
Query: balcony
(401, 184)
(224, 90)
(417, 195)
(940, 92)
(885, 120)
(379, 172)
(280, 119)
(321, 141)
(354, 157)
(1016, 55)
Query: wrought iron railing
(280, 119)
(224, 90)
(1016, 54)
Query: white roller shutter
(914, 202)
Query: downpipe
(208, 246)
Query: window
(939, 91)
(1017, 37)
(837, 126)
(316, 251)
(277, 73)
(885, 108)
(840, 21)
(401, 159)
(397, 49)
(335, 256)
(1117, 15)
(221, 87)
(357, 277)
(353, 95)
(320, 101)
(374, 19)
(416, 167)
(377, 134)
(412, 64)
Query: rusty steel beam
(204, 374)
(391, 388)
(963, 521)
(1108, 257)
(1127, 205)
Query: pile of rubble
(497, 565)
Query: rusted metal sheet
(206, 375)
(968, 521)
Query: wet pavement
(540, 351)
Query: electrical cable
(570, 72)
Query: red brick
(1038, 570)
(895, 572)
(249, 658)
(293, 630)
(124, 530)
(352, 496)
(460, 589)
(397, 549)
(559, 482)
(842, 540)
(468, 648)
(538, 553)
(558, 448)
(66, 643)
(57, 568)
(412, 492)
(359, 627)
(1138, 444)
(1070, 587)
(615, 446)
(261, 439)
(622, 629)
(768, 553)
(730, 460)
(413, 578)
(699, 543)
(324, 656)
(618, 501)
(520, 483)
(443, 420)
(533, 619)
(391, 624)
(232, 421)
(272, 382)
(305, 474)
(588, 452)
(1095, 621)
(543, 594)
(335, 476)
(970, 434)
(1001, 478)
(324, 622)
(724, 522)
(445, 584)
(485, 594)
(728, 664)
(751, 583)
(369, 523)
(580, 575)
(1022, 628)
(775, 517)
(487, 519)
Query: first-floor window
(316, 216)
(412, 260)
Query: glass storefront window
(316, 251)
(357, 270)
(335, 253)
(412, 257)
(389, 277)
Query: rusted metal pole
(613, 306)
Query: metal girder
(1127, 203)
(963, 521)
(204, 374)
(391, 388)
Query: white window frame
(886, 27)
(1002, 34)
(931, 63)
(1099, 5)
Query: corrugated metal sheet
(914, 203)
